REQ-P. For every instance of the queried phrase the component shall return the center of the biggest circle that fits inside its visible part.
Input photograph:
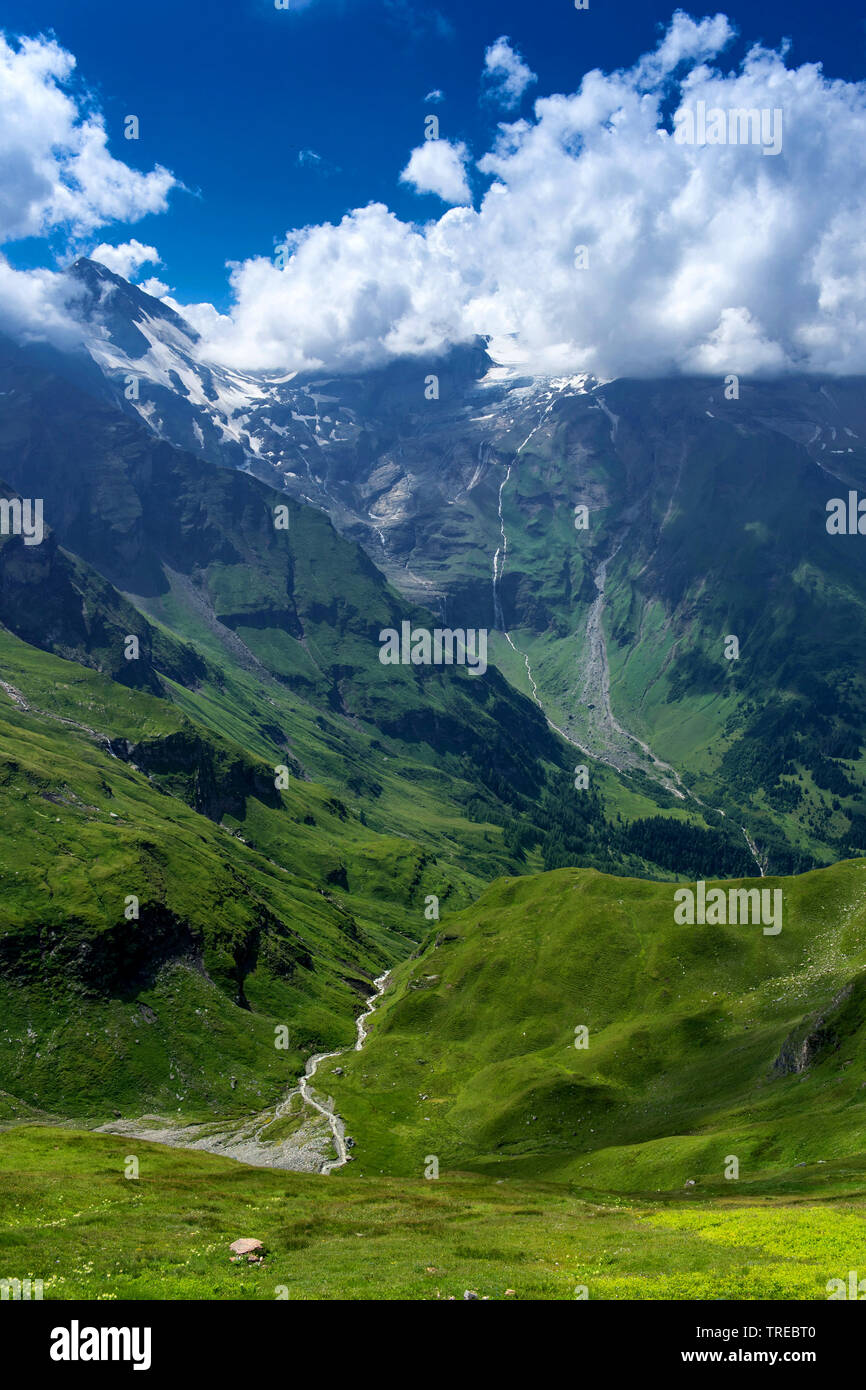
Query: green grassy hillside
(704, 1042)
(245, 918)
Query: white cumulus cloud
(55, 167)
(698, 258)
(506, 75)
(439, 167)
(351, 295)
(155, 287)
(127, 258)
(57, 176)
(686, 41)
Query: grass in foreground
(71, 1218)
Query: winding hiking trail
(246, 1140)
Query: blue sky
(230, 94)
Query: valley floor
(72, 1219)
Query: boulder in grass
(246, 1247)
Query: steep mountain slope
(706, 519)
(701, 1043)
(293, 613)
(257, 907)
(710, 523)
(290, 619)
(404, 466)
(151, 941)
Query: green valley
(225, 818)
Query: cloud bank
(601, 243)
(697, 258)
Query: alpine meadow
(432, 670)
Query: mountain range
(706, 518)
(225, 818)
